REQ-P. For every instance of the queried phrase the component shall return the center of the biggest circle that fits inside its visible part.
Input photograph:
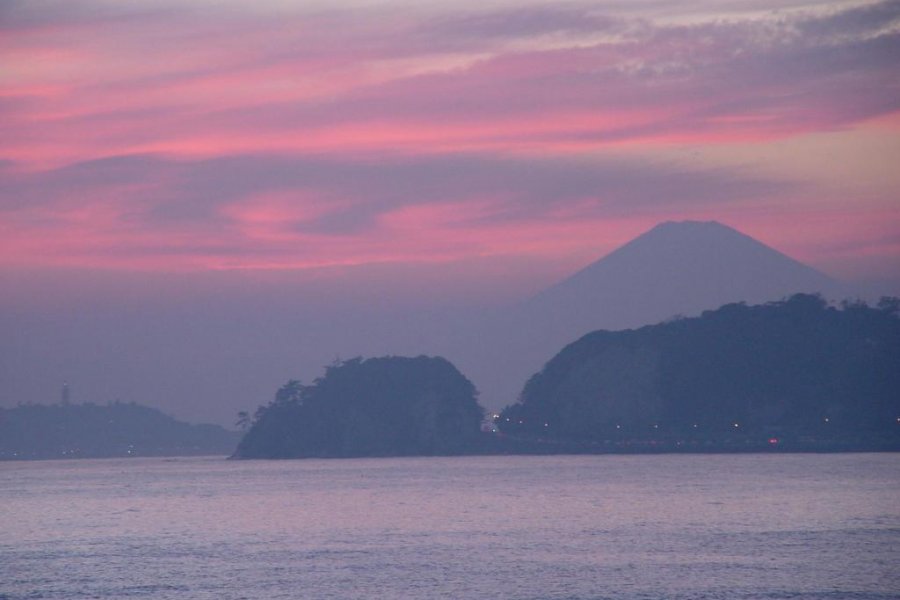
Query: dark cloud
(854, 21)
(23, 15)
(349, 221)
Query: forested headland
(794, 374)
(389, 406)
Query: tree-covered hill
(390, 406)
(33, 431)
(795, 373)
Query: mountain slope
(795, 369)
(679, 267)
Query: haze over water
(624, 527)
(200, 201)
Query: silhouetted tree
(243, 420)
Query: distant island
(389, 406)
(117, 429)
(791, 375)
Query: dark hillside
(792, 371)
(390, 406)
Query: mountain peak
(693, 231)
(678, 267)
(689, 225)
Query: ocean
(798, 526)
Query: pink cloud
(386, 105)
(300, 82)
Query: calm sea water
(629, 527)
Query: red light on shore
(773, 440)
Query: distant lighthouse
(66, 393)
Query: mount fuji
(675, 268)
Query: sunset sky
(484, 149)
(172, 136)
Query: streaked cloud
(296, 209)
(210, 135)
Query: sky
(165, 163)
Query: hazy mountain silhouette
(117, 429)
(676, 268)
